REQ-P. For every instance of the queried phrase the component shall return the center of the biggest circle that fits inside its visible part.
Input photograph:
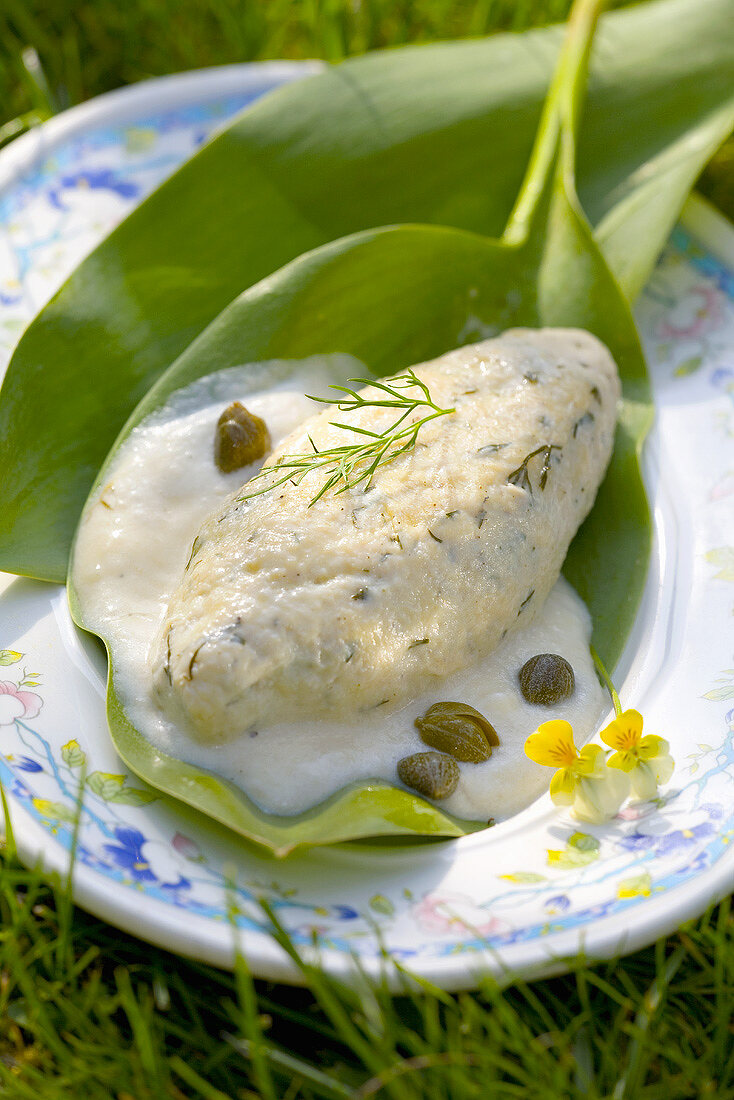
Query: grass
(86, 1010)
(89, 47)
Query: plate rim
(198, 937)
(153, 95)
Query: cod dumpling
(287, 610)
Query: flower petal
(623, 761)
(30, 701)
(563, 787)
(552, 744)
(643, 782)
(591, 761)
(652, 746)
(11, 708)
(624, 732)
(598, 800)
(663, 767)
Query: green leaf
(720, 693)
(580, 849)
(54, 811)
(392, 297)
(636, 886)
(9, 656)
(526, 878)
(72, 755)
(133, 796)
(113, 788)
(105, 784)
(583, 842)
(436, 134)
(381, 904)
(688, 366)
(724, 557)
(395, 296)
(569, 858)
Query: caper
(432, 774)
(546, 678)
(240, 438)
(458, 729)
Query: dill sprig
(356, 463)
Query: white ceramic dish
(518, 899)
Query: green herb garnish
(355, 463)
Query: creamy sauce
(134, 543)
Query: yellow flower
(646, 760)
(582, 780)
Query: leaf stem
(607, 681)
(559, 117)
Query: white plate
(518, 898)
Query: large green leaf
(390, 296)
(435, 134)
(395, 296)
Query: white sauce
(131, 549)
